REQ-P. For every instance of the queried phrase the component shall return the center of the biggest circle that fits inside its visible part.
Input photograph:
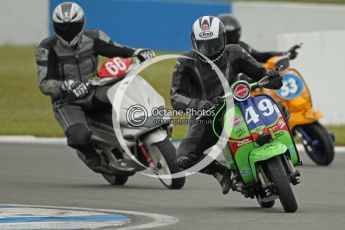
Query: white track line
(33, 140)
(158, 219)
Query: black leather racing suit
(262, 57)
(194, 81)
(57, 63)
(257, 55)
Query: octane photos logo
(137, 116)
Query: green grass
(24, 110)
(339, 132)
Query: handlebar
(294, 48)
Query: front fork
(293, 174)
(150, 163)
(268, 187)
(145, 154)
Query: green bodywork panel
(239, 135)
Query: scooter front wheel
(281, 182)
(317, 143)
(164, 157)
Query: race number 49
(266, 107)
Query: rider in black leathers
(195, 84)
(66, 61)
(233, 33)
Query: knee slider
(78, 135)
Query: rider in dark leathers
(66, 61)
(233, 32)
(195, 84)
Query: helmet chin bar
(73, 42)
(215, 59)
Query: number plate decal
(292, 87)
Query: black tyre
(322, 152)
(167, 159)
(115, 180)
(281, 182)
(263, 204)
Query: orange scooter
(295, 96)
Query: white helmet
(68, 21)
(209, 36)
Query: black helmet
(68, 21)
(208, 36)
(232, 27)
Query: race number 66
(115, 66)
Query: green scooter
(260, 151)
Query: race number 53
(292, 87)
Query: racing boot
(223, 176)
(221, 173)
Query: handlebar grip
(280, 68)
(201, 115)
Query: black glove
(144, 54)
(218, 100)
(272, 74)
(293, 51)
(276, 81)
(79, 89)
(206, 105)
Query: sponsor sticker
(205, 27)
(240, 131)
(237, 121)
(206, 34)
(241, 90)
(245, 171)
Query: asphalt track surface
(53, 175)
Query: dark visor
(211, 47)
(68, 31)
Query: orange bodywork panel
(301, 107)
